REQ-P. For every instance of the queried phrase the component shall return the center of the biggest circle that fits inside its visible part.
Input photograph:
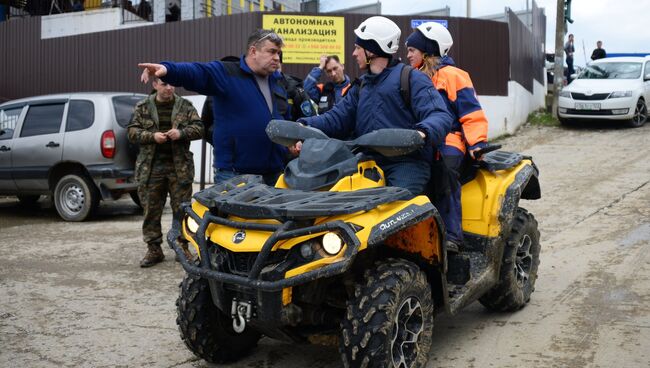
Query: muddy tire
(205, 330)
(389, 320)
(519, 267)
(75, 197)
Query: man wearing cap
(246, 96)
(377, 103)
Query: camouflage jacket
(145, 123)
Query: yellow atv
(332, 254)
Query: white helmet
(438, 33)
(381, 30)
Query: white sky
(619, 24)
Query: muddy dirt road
(72, 294)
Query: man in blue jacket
(246, 96)
(330, 93)
(378, 103)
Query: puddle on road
(636, 236)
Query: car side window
(124, 107)
(647, 71)
(42, 119)
(8, 121)
(81, 115)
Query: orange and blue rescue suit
(468, 132)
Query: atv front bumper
(254, 280)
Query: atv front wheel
(389, 320)
(207, 331)
(519, 267)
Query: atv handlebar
(388, 142)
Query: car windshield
(611, 71)
(124, 107)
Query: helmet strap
(368, 60)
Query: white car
(611, 88)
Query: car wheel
(565, 121)
(29, 200)
(75, 197)
(640, 114)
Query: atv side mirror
(287, 133)
(391, 142)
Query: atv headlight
(619, 94)
(332, 243)
(192, 225)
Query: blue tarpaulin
(618, 54)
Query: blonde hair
(430, 65)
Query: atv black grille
(241, 263)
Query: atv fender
(416, 229)
(489, 201)
(526, 186)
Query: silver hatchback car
(72, 146)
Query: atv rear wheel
(207, 331)
(389, 320)
(519, 267)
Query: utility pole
(469, 8)
(558, 70)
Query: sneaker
(185, 247)
(154, 255)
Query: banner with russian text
(307, 38)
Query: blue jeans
(412, 175)
(450, 206)
(221, 175)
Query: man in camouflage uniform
(163, 126)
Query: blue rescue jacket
(240, 113)
(381, 105)
(315, 90)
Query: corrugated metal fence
(106, 61)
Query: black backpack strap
(405, 85)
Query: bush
(542, 118)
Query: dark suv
(72, 146)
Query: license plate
(587, 106)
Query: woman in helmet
(428, 47)
(376, 102)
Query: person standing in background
(163, 125)
(599, 52)
(569, 49)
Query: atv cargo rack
(250, 198)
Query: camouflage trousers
(153, 195)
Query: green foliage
(542, 118)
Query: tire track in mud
(608, 304)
